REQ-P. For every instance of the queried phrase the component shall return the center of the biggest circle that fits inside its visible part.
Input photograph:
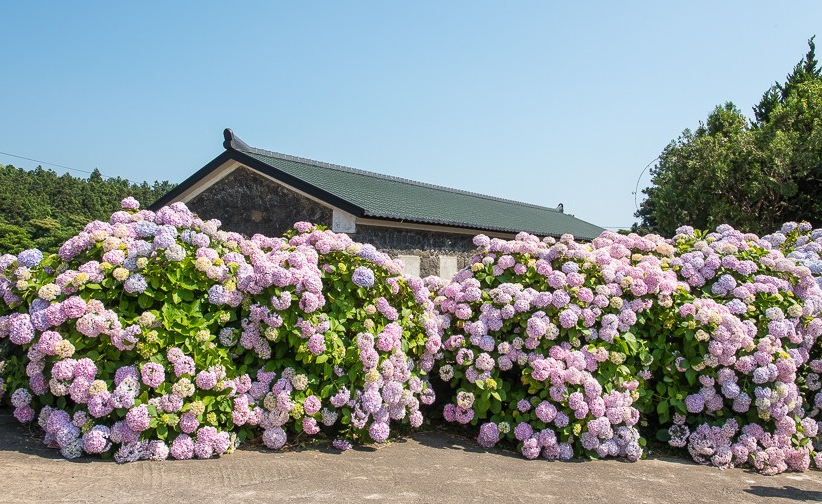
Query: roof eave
(297, 183)
(467, 225)
(188, 183)
(232, 153)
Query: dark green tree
(40, 209)
(806, 70)
(752, 174)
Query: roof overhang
(230, 160)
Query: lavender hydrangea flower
(29, 258)
(138, 418)
(182, 448)
(363, 277)
(274, 438)
(129, 203)
(153, 374)
(135, 284)
(489, 435)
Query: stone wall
(248, 203)
(429, 246)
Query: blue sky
(543, 102)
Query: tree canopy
(39, 208)
(751, 173)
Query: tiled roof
(373, 195)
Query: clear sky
(542, 102)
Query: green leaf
(663, 411)
(144, 301)
(630, 339)
(690, 374)
(481, 405)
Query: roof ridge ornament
(233, 142)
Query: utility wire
(55, 164)
(636, 188)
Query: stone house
(429, 227)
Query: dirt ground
(426, 467)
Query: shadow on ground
(28, 440)
(786, 492)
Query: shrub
(537, 335)
(141, 337)
(708, 336)
(344, 332)
(727, 358)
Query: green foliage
(751, 174)
(153, 327)
(42, 209)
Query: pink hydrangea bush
(728, 351)
(340, 338)
(803, 244)
(158, 334)
(117, 332)
(711, 337)
(537, 336)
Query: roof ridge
(321, 164)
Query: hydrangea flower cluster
(713, 327)
(141, 336)
(741, 351)
(342, 335)
(537, 333)
(158, 334)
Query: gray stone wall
(249, 203)
(427, 245)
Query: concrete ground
(426, 467)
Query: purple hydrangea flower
(29, 258)
(182, 448)
(274, 438)
(488, 435)
(135, 284)
(363, 277)
(153, 374)
(379, 431)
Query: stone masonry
(249, 203)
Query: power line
(636, 188)
(57, 165)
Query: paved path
(427, 467)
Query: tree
(806, 70)
(40, 209)
(753, 174)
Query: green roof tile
(368, 194)
(382, 196)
